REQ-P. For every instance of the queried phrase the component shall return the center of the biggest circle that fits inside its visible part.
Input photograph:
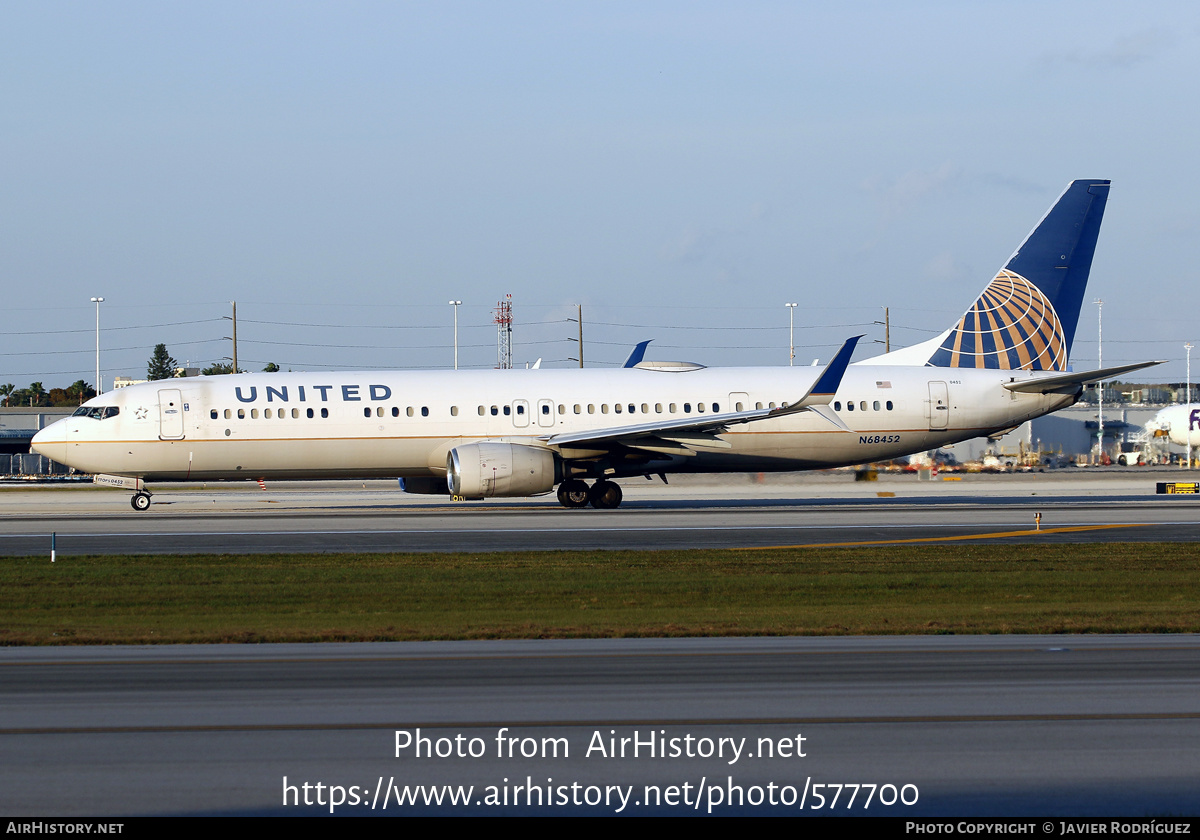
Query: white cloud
(898, 196)
(943, 267)
(1125, 51)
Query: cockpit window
(97, 412)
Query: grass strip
(1092, 588)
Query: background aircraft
(1180, 422)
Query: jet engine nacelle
(479, 470)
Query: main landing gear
(140, 500)
(575, 493)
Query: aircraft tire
(605, 495)
(140, 501)
(573, 493)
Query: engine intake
(480, 470)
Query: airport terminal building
(17, 428)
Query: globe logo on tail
(1012, 326)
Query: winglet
(638, 353)
(829, 380)
(822, 391)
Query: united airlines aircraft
(479, 434)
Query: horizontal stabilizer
(1047, 384)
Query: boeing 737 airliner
(477, 434)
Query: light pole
(1100, 385)
(1188, 348)
(455, 304)
(791, 308)
(98, 301)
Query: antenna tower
(504, 322)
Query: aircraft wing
(1065, 381)
(701, 430)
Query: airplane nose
(51, 441)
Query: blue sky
(682, 170)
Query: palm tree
(80, 390)
(37, 394)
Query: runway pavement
(966, 726)
(740, 511)
(960, 726)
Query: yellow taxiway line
(1001, 535)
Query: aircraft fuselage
(363, 424)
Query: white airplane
(1180, 422)
(477, 434)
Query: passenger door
(939, 405)
(170, 414)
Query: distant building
(1149, 394)
(180, 372)
(1070, 431)
(1111, 394)
(19, 425)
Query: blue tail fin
(1026, 317)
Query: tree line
(161, 366)
(36, 394)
